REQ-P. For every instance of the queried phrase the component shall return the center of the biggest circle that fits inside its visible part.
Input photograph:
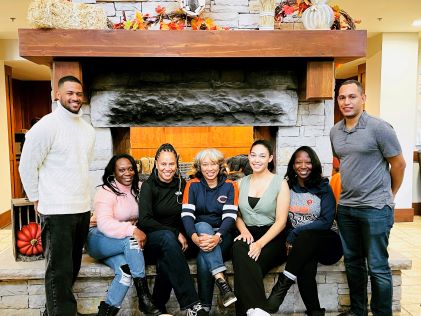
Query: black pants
(173, 271)
(63, 237)
(310, 248)
(249, 274)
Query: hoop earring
(108, 178)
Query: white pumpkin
(319, 16)
(192, 7)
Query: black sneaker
(197, 310)
(227, 295)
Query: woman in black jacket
(160, 201)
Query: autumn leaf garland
(176, 20)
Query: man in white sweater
(54, 169)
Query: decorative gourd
(192, 7)
(29, 240)
(319, 16)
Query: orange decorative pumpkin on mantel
(29, 239)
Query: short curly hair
(214, 155)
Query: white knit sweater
(54, 165)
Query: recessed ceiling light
(416, 22)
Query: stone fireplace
(204, 92)
(279, 82)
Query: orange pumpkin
(29, 240)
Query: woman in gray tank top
(263, 204)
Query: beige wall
(398, 99)
(416, 191)
(373, 74)
(391, 85)
(5, 189)
(9, 49)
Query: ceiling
(376, 16)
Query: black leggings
(310, 248)
(248, 274)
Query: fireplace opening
(232, 141)
(188, 141)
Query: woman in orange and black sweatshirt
(210, 207)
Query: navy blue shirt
(216, 206)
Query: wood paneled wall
(188, 141)
(30, 101)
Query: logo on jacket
(222, 199)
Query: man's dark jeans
(365, 237)
(63, 238)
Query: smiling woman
(209, 213)
(114, 237)
(311, 233)
(159, 216)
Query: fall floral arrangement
(291, 11)
(176, 20)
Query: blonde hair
(214, 155)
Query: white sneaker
(257, 312)
(197, 310)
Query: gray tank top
(264, 213)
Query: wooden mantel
(42, 46)
(320, 49)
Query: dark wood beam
(43, 46)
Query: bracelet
(220, 237)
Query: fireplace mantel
(44, 46)
(64, 50)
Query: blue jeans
(365, 237)
(116, 253)
(172, 270)
(63, 237)
(210, 263)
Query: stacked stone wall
(236, 14)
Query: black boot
(279, 291)
(107, 310)
(145, 299)
(317, 312)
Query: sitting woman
(160, 218)
(209, 214)
(263, 203)
(114, 237)
(311, 235)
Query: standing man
(372, 168)
(54, 169)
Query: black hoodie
(159, 208)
